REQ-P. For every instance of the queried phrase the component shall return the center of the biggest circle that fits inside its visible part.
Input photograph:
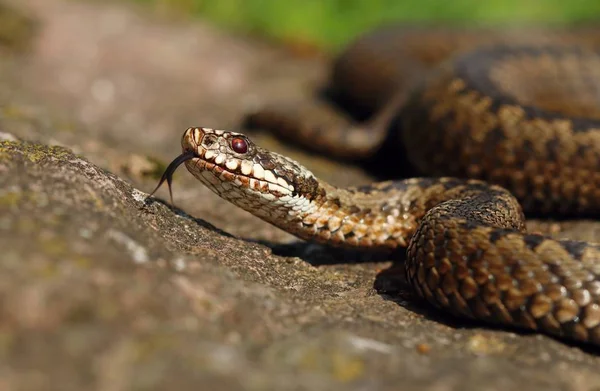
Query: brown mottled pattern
(549, 159)
(467, 249)
(519, 110)
(374, 76)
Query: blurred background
(332, 23)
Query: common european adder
(495, 126)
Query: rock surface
(102, 290)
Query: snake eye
(239, 145)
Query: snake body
(467, 248)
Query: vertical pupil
(239, 145)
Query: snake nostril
(209, 140)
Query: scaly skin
(467, 249)
(519, 109)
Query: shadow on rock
(181, 213)
(320, 255)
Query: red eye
(239, 145)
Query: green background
(331, 23)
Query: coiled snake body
(467, 249)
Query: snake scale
(496, 129)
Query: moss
(60, 153)
(7, 149)
(35, 156)
(32, 152)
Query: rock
(101, 288)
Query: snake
(491, 132)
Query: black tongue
(168, 174)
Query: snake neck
(380, 216)
(345, 217)
(371, 218)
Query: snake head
(238, 170)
